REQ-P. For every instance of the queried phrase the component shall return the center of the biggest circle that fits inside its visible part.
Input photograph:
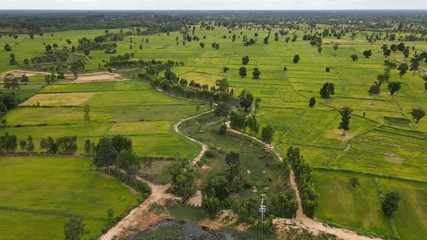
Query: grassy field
(40, 194)
(343, 204)
(382, 140)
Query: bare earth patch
(196, 200)
(98, 77)
(19, 73)
(393, 158)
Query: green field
(40, 194)
(383, 139)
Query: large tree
(345, 119)
(245, 60)
(242, 71)
(296, 58)
(403, 68)
(74, 229)
(390, 203)
(267, 133)
(394, 87)
(246, 100)
(233, 161)
(256, 73)
(418, 113)
(373, 91)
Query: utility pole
(262, 210)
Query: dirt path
(140, 217)
(301, 220)
(204, 146)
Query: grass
(39, 194)
(131, 108)
(187, 213)
(349, 204)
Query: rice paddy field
(383, 144)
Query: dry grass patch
(59, 99)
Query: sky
(213, 4)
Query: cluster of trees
(345, 119)
(309, 197)
(8, 101)
(66, 145)
(116, 151)
(327, 90)
(390, 203)
(86, 45)
(182, 178)
(8, 143)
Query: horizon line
(276, 10)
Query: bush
(210, 154)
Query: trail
(139, 217)
(204, 146)
(301, 220)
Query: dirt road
(140, 218)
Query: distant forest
(149, 22)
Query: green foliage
(327, 90)
(246, 99)
(354, 181)
(221, 110)
(374, 90)
(296, 58)
(354, 57)
(256, 73)
(418, 113)
(345, 119)
(237, 120)
(211, 205)
(367, 53)
(245, 60)
(303, 174)
(312, 102)
(267, 133)
(394, 87)
(403, 68)
(117, 150)
(252, 124)
(8, 143)
(390, 203)
(182, 178)
(283, 204)
(216, 186)
(10, 82)
(233, 161)
(242, 71)
(74, 229)
(86, 112)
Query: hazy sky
(212, 4)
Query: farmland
(384, 147)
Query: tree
(237, 120)
(12, 60)
(418, 113)
(233, 161)
(30, 145)
(296, 58)
(242, 71)
(373, 91)
(367, 53)
(312, 102)
(202, 44)
(267, 133)
(7, 47)
(327, 90)
(354, 181)
(245, 60)
(252, 123)
(345, 119)
(74, 229)
(394, 87)
(354, 57)
(246, 99)
(86, 111)
(77, 66)
(256, 73)
(403, 68)
(390, 203)
(10, 82)
(221, 110)
(216, 186)
(415, 63)
(24, 79)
